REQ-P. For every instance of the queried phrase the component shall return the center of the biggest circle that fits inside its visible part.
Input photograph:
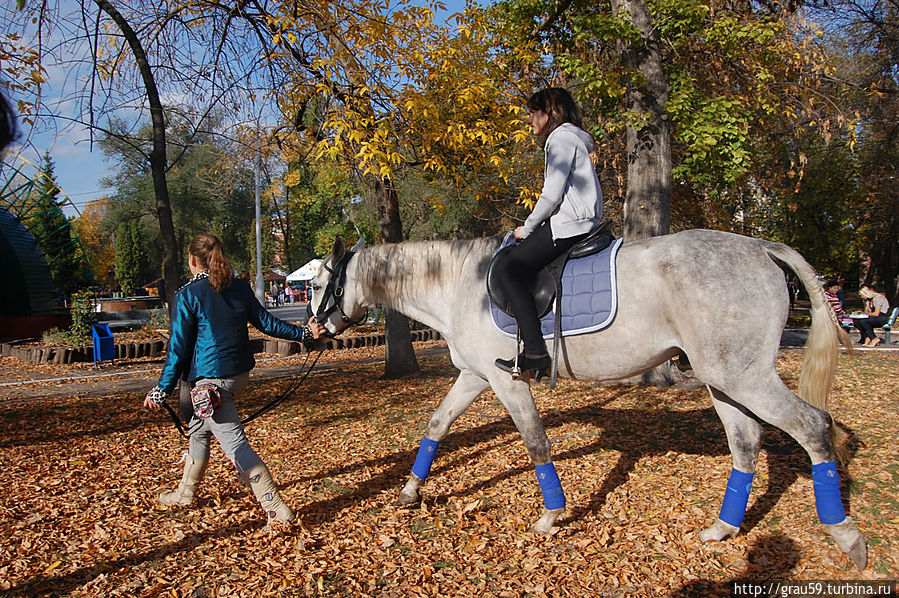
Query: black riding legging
(516, 271)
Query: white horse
(719, 298)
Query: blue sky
(80, 166)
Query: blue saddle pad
(589, 297)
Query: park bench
(891, 321)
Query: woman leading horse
(209, 340)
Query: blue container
(104, 345)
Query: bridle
(332, 299)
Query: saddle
(547, 285)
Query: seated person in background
(877, 308)
(830, 293)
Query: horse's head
(334, 302)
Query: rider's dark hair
(558, 104)
(209, 252)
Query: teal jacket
(209, 332)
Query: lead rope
(181, 429)
(288, 392)
(292, 388)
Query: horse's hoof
(719, 531)
(407, 498)
(544, 525)
(851, 541)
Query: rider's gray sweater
(571, 197)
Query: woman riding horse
(569, 207)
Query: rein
(292, 388)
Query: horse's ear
(338, 252)
(360, 244)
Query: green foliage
(79, 332)
(322, 200)
(210, 188)
(129, 256)
(82, 314)
(432, 208)
(63, 338)
(810, 211)
(53, 232)
(715, 135)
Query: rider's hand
(519, 233)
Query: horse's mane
(393, 272)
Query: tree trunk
(647, 204)
(401, 360)
(880, 268)
(158, 161)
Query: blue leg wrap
(827, 493)
(736, 496)
(425, 457)
(553, 497)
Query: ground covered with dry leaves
(644, 471)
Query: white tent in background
(307, 272)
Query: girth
(547, 285)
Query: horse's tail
(825, 335)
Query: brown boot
(263, 486)
(187, 488)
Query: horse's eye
(315, 287)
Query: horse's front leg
(518, 401)
(463, 393)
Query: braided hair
(210, 254)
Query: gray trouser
(225, 425)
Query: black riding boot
(526, 363)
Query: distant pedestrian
(793, 289)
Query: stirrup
(522, 367)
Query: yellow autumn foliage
(403, 89)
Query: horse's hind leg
(463, 393)
(812, 428)
(744, 436)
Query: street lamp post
(260, 281)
